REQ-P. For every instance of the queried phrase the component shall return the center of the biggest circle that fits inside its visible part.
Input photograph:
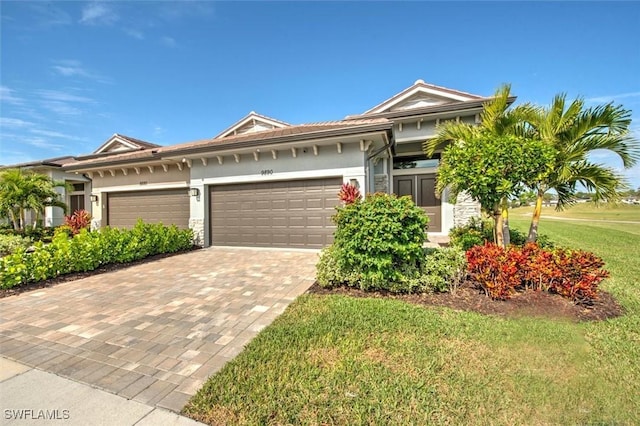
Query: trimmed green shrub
(378, 240)
(444, 269)
(11, 243)
(479, 232)
(87, 250)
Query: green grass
(339, 360)
(615, 212)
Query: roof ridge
(420, 83)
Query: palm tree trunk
(535, 219)
(498, 234)
(14, 220)
(504, 207)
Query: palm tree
(21, 191)
(575, 132)
(496, 120)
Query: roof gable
(251, 123)
(120, 143)
(421, 95)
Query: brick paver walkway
(154, 332)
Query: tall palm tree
(21, 191)
(496, 120)
(575, 132)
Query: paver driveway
(154, 332)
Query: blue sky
(74, 73)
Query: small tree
(493, 169)
(22, 190)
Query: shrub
(444, 269)
(495, 269)
(329, 273)
(479, 232)
(11, 243)
(379, 239)
(80, 219)
(574, 274)
(86, 251)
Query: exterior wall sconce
(194, 192)
(355, 183)
(94, 198)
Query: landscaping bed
(467, 298)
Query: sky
(74, 73)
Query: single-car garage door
(274, 214)
(170, 206)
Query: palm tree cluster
(21, 191)
(572, 129)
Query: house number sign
(266, 172)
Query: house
(265, 182)
(76, 193)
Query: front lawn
(341, 360)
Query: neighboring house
(77, 195)
(264, 182)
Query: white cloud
(610, 98)
(39, 142)
(14, 123)
(73, 68)
(158, 130)
(53, 134)
(58, 96)
(134, 33)
(7, 95)
(169, 41)
(98, 14)
(61, 108)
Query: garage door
(274, 214)
(166, 206)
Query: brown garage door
(169, 206)
(274, 214)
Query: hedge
(87, 251)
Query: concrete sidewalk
(33, 397)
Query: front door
(422, 190)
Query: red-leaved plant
(574, 274)
(349, 194)
(80, 219)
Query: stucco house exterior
(265, 182)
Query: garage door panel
(278, 214)
(154, 206)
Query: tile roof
(53, 162)
(309, 130)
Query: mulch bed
(77, 275)
(528, 303)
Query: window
(76, 202)
(76, 198)
(416, 162)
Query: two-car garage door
(169, 206)
(274, 214)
